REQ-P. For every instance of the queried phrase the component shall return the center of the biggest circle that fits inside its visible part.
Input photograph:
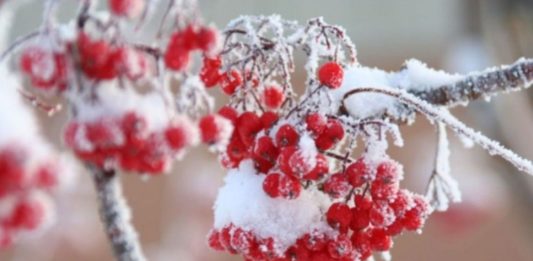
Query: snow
(242, 202)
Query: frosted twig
(457, 126)
(489, 82)
(115, 215)
(49, 109)
(17, 43)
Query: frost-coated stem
(115, 215)
(507, 78)
(438, 114)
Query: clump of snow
(416, 75)
(242, 202)
(114, 102)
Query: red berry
(207, 38)
(280, 185)
(271, 184)
(230, 81)
(361, 242)
(214, 128)
(339, 216)
(381, 215)
(388, 172)
(341, 247)
(337, 185)
(248, 125)
(316, 123)
(320, 170)
(265, 149)
(236, 150)
(358, 173)
(380, 240)
(176, 137)
(229, 113)
(287, 136)
(126, 8)
(268, 119)
(213, 240)
(209, 73)
(45, 68)
(315, 241)
(402, 203)
(13, 176)
(28, 214)
(46, 176)
(333, 133)
(387, 192)
(360, 219)
(298, 252)
(273, 97)
(289, 187)
(331, 75)
(97, 57)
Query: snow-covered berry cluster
(294, 189)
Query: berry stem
(115, 215)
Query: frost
(443, 188)
(242, 202)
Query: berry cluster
(23, 181)
(46, 69)
(128, 142)
(298, 151)
(183, 42)
(379, 211)
(101, 60)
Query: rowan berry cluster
(24, 179)
(297, 151)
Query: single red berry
(315, 241)
(289, 187)
(207, 38)
(176, 137)
(241, 240)
(214, 128)
(395, 228)
(331, 75)
(381, 215)
(209, 73)
(236, 150)
(320, 170)
(225, 238)
(13, 175)
(287, 136)
(298, 251)
(248, 125)
(230, 81)
(265, 149)
(386, 192)
(388, 172)
(273, 97)
(361, 242)
(284, 159)
(332, 134)
(403, 202)
(337, 186)
(360, 219)
(213, 239)
(46, 176)
(126, 8)
(271, 184)
(380, 240)
(341, 247)
(268, 119)
(316, 123)
(28, 214)
(358, 173)
(229, 113)
(339, 216)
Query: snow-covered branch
(115, 215)
(487, 83)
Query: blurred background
(495, 222)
